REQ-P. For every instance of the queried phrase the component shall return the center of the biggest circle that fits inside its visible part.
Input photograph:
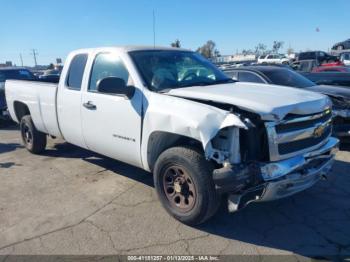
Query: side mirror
(115, 86)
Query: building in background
(234, 58)
(7, 64)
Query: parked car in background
(323, 68)
(328, 78)
(304, 65)
(172, 112)
(314, 65)
(51, 76)
(342, 45)
(334, 63)
(11, 73)
(345, 58)
(273, 59)
(340, 96)
(319, 56)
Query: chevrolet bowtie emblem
(318, 132)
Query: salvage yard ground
(72, 201)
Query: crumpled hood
(331, 90)
(269, 101)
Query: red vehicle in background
(323, 68)
(335, 63)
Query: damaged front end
(272, 160)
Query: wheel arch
(159, 141)
(20, 109)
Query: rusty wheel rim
(179, 188)
(27, 135)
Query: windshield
(288, 77)
(20, 74)
(167, 69)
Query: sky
(54, 28)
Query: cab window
(76, 71)
(107, 65)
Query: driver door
(111, 123)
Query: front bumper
(287, 177)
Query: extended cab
(173, 113)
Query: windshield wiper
(222, 81)
(207, 83)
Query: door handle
(89, 105)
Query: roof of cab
(130, 48)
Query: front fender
(184, 117)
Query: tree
(176, 43)
(51, 66)
(216, 53)
(248, 52)
(290, 51)
(260, 49)
(209, 50)
(277, 45)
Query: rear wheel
(183, 181)
(33, 140)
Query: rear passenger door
(69, 100)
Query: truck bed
(40, 97)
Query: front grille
(288, 127)
(297, 134)
(290, 147)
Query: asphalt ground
(75, 202)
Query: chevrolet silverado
(171, 112)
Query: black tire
(199, 171)
(33, 140)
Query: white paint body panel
(114, 117)
(268, 101)
(184, 117)
(40, 99)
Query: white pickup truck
(173, 113)
(273, 59)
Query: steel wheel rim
(179, 188)
(27, 134)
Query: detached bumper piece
(284, 178)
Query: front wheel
(33, 140)
(184, 184)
